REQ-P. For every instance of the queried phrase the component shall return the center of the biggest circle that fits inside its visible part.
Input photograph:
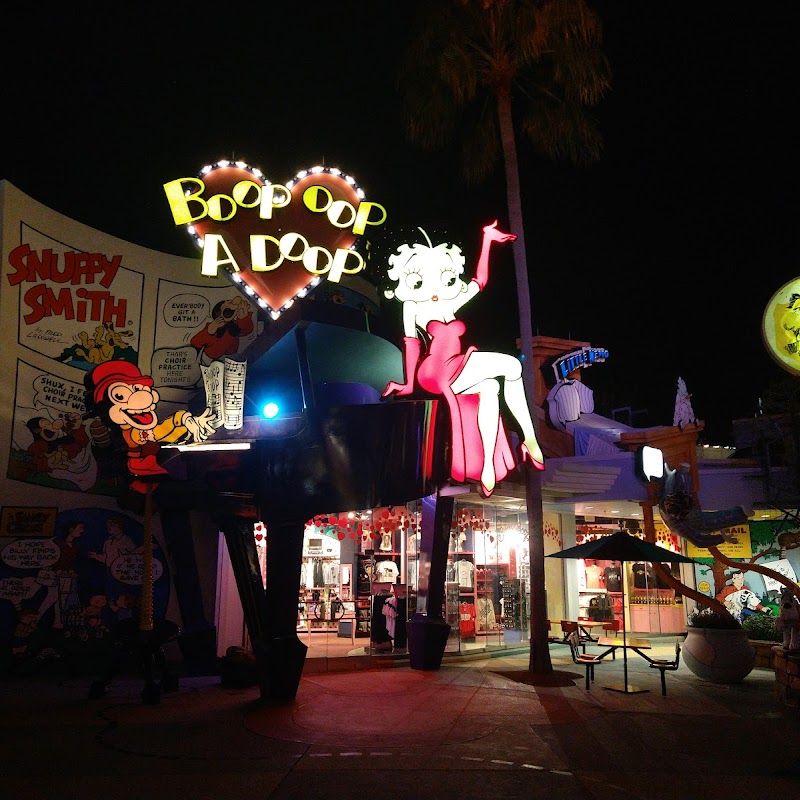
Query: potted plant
(763, 635)
(717, 647)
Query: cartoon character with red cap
(119, 390)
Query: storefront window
(650, 605)
(360, 574)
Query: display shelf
(487, 594)
(363, 567)
(653, 597)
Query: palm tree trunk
(540, 652)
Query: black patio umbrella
(622, 546)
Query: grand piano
(324, 458)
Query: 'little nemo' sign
(276, 239)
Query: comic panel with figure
(79, 308)
(52, 444)
(197, 326)
(62, 591)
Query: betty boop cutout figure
(428, 283)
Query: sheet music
(233, 393)
(213, 382)
(224, 384)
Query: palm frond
(546, 54)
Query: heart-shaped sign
(315, 212)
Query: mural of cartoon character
(93, 618)
(786, 319)
(26, 627)
(65, 601)
(124, 605)
(106, 344)
(119, 391)
(117, 543)
(47, 450)
(60, 448)
(740, 601)
(230, 320)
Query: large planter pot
(719, 656)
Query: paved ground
(469, 730)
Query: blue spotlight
(270, 410)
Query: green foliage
(762, 536)
(705, 617)
(762, 627)
(467, 60)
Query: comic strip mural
(66, 588)
(769, 543)
(74, 300)
(195, 328)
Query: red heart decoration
(277, 287)
(259, 537)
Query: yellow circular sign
(780, 327)
(704, 587)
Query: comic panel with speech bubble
(196, 326)
(68, 590)
(51, 443)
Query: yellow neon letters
(212, 244)
(249, 194)
(267, 253)
(188, 206)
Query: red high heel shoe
(525, 455)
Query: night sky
(666, 252)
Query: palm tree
(470, 64)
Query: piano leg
(271, 615)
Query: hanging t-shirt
(390, 612)
(330, 573)
(386, 572)
(485, 616)
(386, 541)
(379, 633)
(613, 579)
(593, 573)
(467, 620)
(319, 577)
(644, 576)
(465, 570)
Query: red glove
(411, 351)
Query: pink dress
(436, 374)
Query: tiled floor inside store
(329, 644)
